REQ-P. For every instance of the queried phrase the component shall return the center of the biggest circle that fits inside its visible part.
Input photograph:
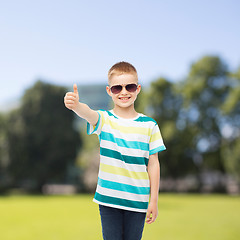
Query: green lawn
(181, 217)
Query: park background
(187, 57)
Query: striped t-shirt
(125, 146)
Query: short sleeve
(156, 142)
(96, 129)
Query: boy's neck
(125, 112)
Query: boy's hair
(122, 68)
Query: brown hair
(121, 68)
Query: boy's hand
(71, 99)
(152, 213)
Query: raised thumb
(75, 88)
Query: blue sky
(70, 41)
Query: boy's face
(124, 98)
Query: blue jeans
(119, 224)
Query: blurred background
(187, 54)
(188, 61)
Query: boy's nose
(124, 91)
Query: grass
(181, 217)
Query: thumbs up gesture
(71, 99)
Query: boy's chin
(124, 105)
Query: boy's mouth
(124, 98)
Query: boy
(129, 168)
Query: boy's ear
(139, 88)
(108, 91)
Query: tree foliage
(42, 141)
(3, 152)
(230, 149)
(164, 104)
(199, 119)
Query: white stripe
(120, 207)
(122, 195)
(155, 144)
(126, 136)
(155, 129)
(118, 163)
(129, 122)
(124, 180)
(123, 150)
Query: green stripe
(120, 202)
(123, 187)
(124, 143)
(127, 159)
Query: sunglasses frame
(123, 86)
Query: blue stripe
(158, 149)
(123, 187)
(127, 159)
(96, 127)
(121, 202)
(110, 114)
(139, 119)
(145, 119)
(124, 143)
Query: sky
(74, 41)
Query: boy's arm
(71, 101)
(154, 176)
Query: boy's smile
(124, 99)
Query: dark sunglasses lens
(131, 87)
(116, 89)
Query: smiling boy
(129, 169)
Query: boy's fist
(71, 99)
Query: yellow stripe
(103, 118)
(156, 136)
(125, 129)
(123, 172)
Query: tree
(42, 142)
(3, 153)
(164, 105)
(204, 92)
(230, 149)
(194, 116)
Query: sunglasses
(118, 88)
